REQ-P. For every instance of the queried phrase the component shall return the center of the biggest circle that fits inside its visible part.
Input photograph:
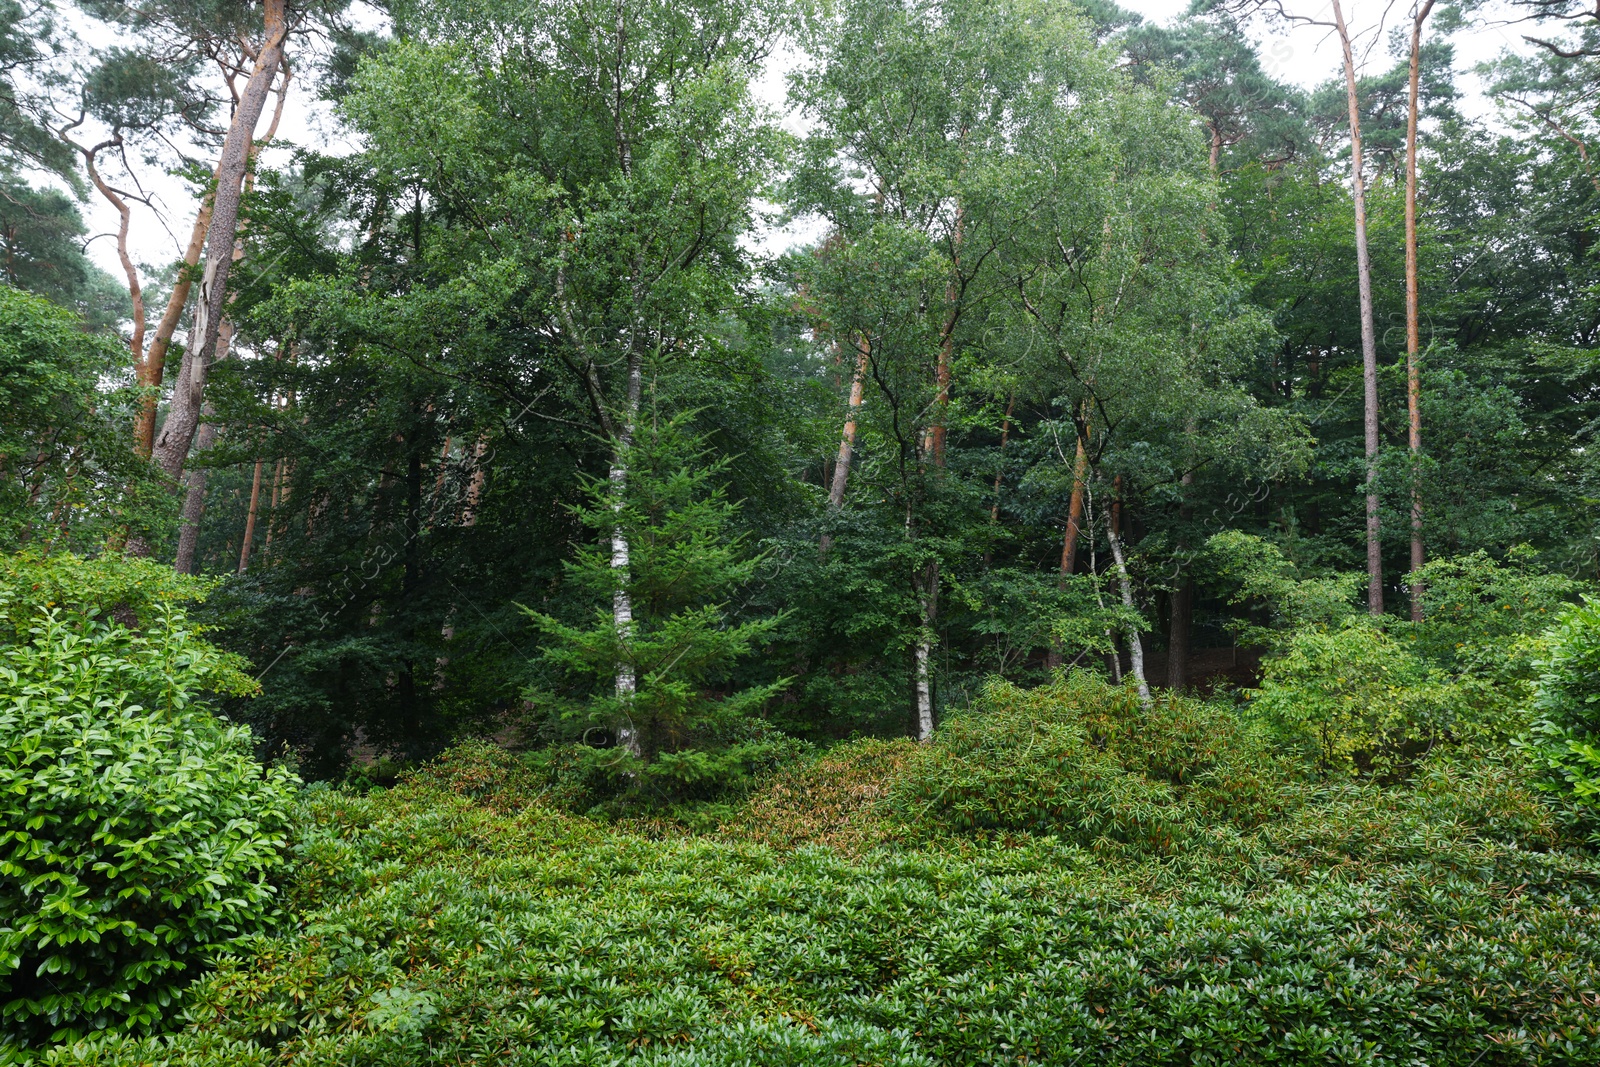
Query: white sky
(1303, 55)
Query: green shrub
(137, 833)
(1565, 740)
(1483, 616)
(1355, 699)
(1085, 761)
(1374, 925)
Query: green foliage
(1355, 699)
(1565, 740)
(451, 918)
(128, 589)
(1364, 694)
(1083, 760)
(692, 733)
(138, 835)
(1484, 617)
(1255, 574)
(69, 477)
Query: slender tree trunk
(1005, 432)
(1094, 573)
(847, 442)
(194, 498)
(172, 444)
(924, 689)
(250, 520)
(1413, 313)
(1125, 584)
(1069, 539)
(1179, 631)
(927, 590)
(194, 501)
(621, 598)
(1369, 341)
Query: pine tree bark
(1369, 341)
(1413, 312)
(151, 368)
(172, 444)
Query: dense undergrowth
(1060, 878)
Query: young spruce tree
(685, 731)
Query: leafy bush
(1084, 760)
(1483, 616)
(1566, 736)
(137, 833)
(1354, 699)
(1374, 926)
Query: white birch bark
(1135, 646)
(621, 598)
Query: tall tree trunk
(1069, 538)
(250, 520)
(177, 434)
(1178, 633)
(194, 500)
(1369, 341)
(151, 368)
(194, 504)
(1125, 584)
(1005, 432)
(621, 598)
(1413, 313)
(1181, 623)
(847, 442)
(924, 681)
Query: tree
(685, 728)
(67, 477)
(1413, 321)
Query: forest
(862, 532)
